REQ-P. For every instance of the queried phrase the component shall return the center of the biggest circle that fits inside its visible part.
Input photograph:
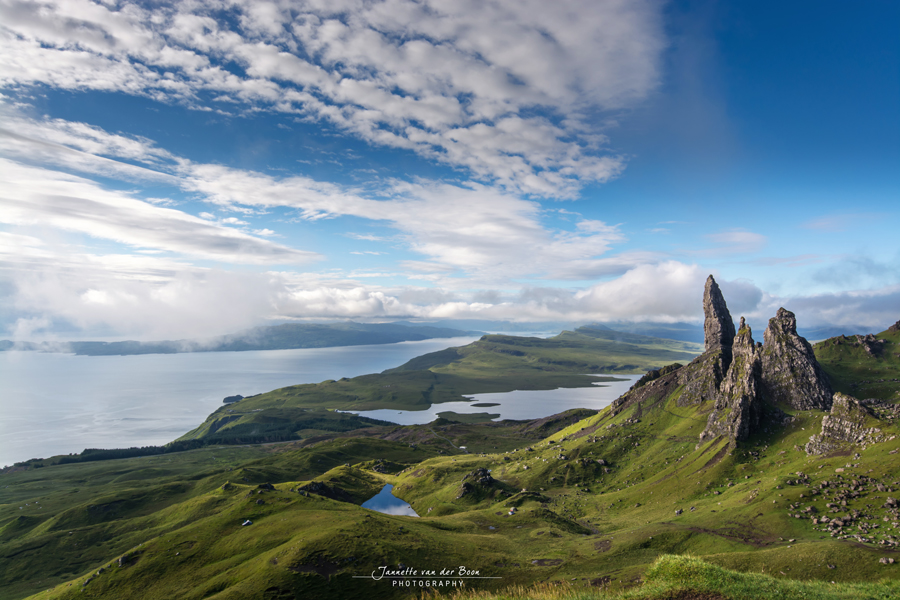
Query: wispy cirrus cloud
(838, 222)
(736, 241)
(473, 230)
(506, 90)
(35, 196)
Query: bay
(61, 403)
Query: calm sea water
(61, 403)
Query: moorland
(732, 470)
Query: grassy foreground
(689, 578)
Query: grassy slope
(496, 363)
(688, 577)
(579, 522)
(111, 506)
(853, 371)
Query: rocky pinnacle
(718, 328)
(791, 375)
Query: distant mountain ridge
(278, 337)
(682, 331)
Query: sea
(54, 403)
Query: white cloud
(506, 89)
(473, 231)
(35, 196)
(147, 297)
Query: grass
(607, 506)
(686, 577)
(858, 373)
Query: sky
(193, 168)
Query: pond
(386, 502)
(519, 404)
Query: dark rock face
(791, 375)
(655, 374)
(321, 489)
(479, 479)
(703, 376)
(737, 408)
(718, 328)
(845, 425)
(894, 327)
(481, 476)
(745, 381)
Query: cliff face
(791, 376)
(745, 381)
(718, 328)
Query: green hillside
(621, 503)
(578, 522)
(863, 366)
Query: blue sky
(191, 168)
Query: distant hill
(691, 332)
(513, 327)
(279, 337)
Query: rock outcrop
(745, 381)
(894, 327)
(321, 489)
(791, 376)
(476, 483)
(737, 408)
(845, 425)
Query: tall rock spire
(718, 328)
(705, 373)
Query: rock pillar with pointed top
(718, 328)
(701, 378)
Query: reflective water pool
(386, 502)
